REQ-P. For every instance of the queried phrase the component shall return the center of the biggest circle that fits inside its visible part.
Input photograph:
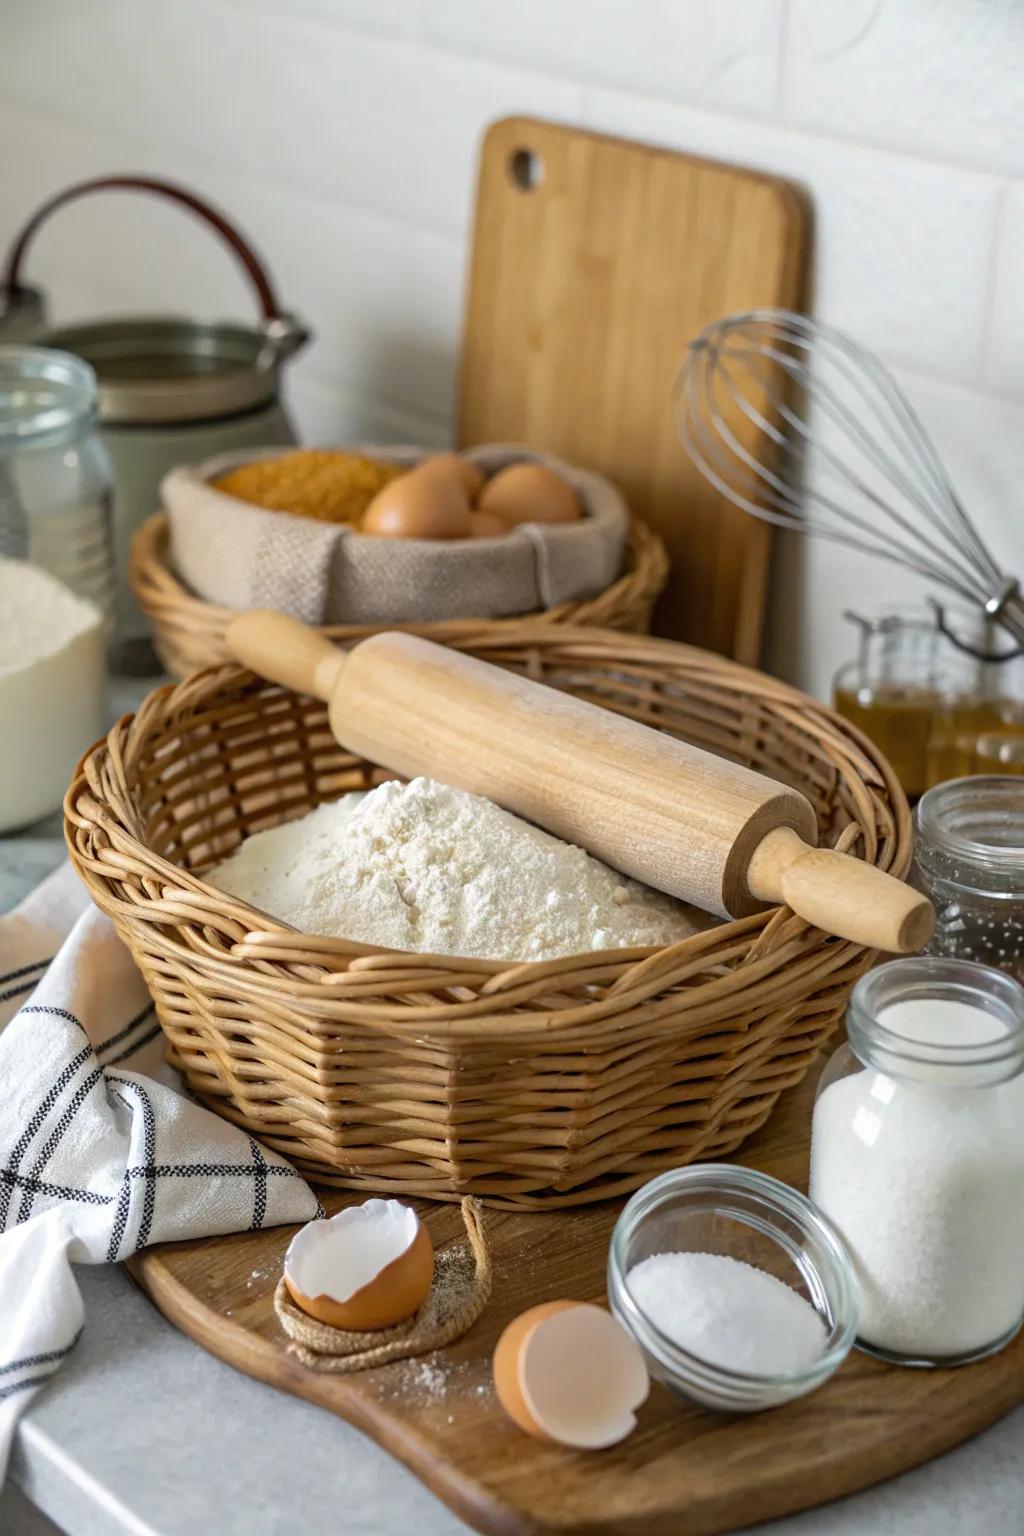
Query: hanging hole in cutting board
(526, 169)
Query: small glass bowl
(720, 1208)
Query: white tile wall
(882, 221)
(943, 78)
(341, 134)
(724, 51)
(1005, 371)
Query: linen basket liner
(449, 1311)
(324, 573)
(189, 633)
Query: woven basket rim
(151, 574)
(309, 967)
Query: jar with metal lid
(171, 390)
(917, 1157)
(55, 479)
(969, 860)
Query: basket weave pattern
(541, 1084)
(188, 631)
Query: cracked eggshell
(567, 1372)
(369, 1267)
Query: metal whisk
(851, 460)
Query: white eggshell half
(338, 1257)
(582, 1377)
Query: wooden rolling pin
(690, 823)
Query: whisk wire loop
(848, 456)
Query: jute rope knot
(461, 1290)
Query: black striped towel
(101, 1152)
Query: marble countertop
(145, 1434)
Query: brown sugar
(328, 485)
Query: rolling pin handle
(286, 651)
(840, 894)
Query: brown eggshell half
(395, 1292)
(466, 473)
(570, 1373)
(419, 505)
(505, 1364)
(529, 493)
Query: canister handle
(275, 319)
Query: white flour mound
(423, 867)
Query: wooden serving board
(595, 261)
(684, 1469)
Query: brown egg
(469, 477)
(419, 505)
(529, 493)
(369, 1267)
(569, 1373)
(487, 525)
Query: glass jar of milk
(55, 481)
(917, 1156)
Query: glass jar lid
(44, 394)
(970, 833)
(945, 1023)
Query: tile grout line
(979, 391)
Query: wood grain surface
(585, 288)
(683, 1470)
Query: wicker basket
(188, 631)
(542, 1084)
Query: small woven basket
(188, 631)
(542, 1084)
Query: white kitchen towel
(99, 1154)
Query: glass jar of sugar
(55, 480)
(969, 859)
(917, 1157)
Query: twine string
(461, 1289)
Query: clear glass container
(917, 1157)
(723, 1209)
(908, 682)
(984, 734)
(969, 860)
(55, 481)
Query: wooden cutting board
(594, 262)
(682, 1470)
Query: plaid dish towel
(99, 1153)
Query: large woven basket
(188, 631)
(551, 1083)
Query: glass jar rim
(936, 806)
(929, 978)
(777, 1200)
(65, 389)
